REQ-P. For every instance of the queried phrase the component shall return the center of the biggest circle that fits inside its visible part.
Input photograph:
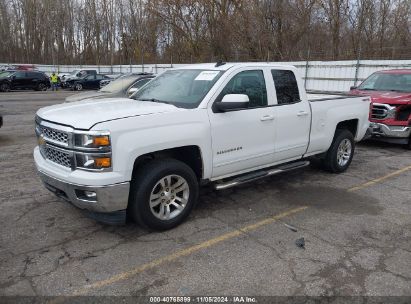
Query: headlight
(88, 161)
(92, 150)
(391, 112)
(92, 141)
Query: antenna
(219, 63)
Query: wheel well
(350, 125)
(190, 155)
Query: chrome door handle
(302, 113)
(267, 117)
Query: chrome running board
(249, 177)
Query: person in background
(54, 81)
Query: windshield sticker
(207, 75)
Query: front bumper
(389, 133)
(104, 199)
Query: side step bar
(260, 174)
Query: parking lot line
(380, 179)
(186, 252)
(214, 241)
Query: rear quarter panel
(326, 114)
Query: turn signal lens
(102, 162)
(99, 141)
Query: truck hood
(85, 114)
(386, 97)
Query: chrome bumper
(379, 129)
(101, 199)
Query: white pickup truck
(224, 124)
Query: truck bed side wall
(327, 114)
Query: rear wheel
(5, 87)
(339, 156)
(41, 87)
(163, 193)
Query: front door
(243, 139)
(19, 80)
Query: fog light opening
(87, 195)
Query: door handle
(267, 117)
(302, 113)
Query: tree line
(183, 31)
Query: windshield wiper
(155, 100)
(366, 89)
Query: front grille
(53, 134)
(380, 111)
(56, 155)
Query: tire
(339, 156)
(162, 182)
(78, 87)
(5, 87)
(41, 87)
(408, 146)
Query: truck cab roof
(228, 65)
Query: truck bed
(329, 109)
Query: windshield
(387, 82)
(6, 74)
(119, 84)
(182, 88)
(74, 72)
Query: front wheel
(162, 194)
(341, 152)
(78, 87)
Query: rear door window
(286, 87)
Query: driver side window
(250, 83)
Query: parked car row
(77, 80)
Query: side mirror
(132, 91)
(353, 88)
(231, 102)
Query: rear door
(89, 82)
(33, 79)
(292, 116)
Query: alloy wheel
(169, 197)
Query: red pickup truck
(390, 113)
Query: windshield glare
(119, 84)
(387, 82)
(182, 88)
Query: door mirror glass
(232, 102)
(353, 88)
